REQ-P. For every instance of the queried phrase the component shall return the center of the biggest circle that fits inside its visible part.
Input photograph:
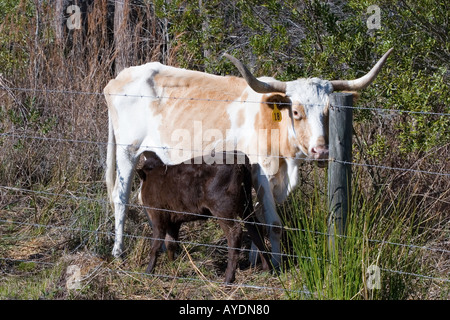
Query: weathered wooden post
(121, 35)
(339, 172)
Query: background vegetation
(65, 221)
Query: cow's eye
(296, 114)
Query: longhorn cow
(179, 114)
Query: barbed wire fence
(70, 195)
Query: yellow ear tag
(276, 114)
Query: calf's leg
(158, 235)
(233, 232)
(171, 240)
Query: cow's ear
(355, 95)
(279, 99)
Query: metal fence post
(339, 172)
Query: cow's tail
(248, 185)
(111, 162)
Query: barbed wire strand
(21, 136)
(222, 283)
(171, 277)
(383, 110)
(195, 244)
(105, 202)
(391, 168)
(58, 91)
(111, 234)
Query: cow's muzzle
(320, 153)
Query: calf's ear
(141, 174)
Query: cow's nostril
(319, 152)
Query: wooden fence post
(121, 35)
(339, 174)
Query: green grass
(380, 230)
(32, 281)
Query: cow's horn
(255, 84)
(363, 82)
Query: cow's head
(307, 101)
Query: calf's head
(150, 163)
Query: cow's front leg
(265, 197)
(121, 195)
(275, 228)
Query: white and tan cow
(179, 114)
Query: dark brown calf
(220, 190)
